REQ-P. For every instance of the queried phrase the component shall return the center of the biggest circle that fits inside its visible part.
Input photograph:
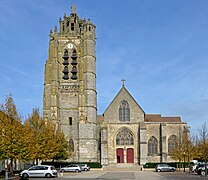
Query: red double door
(129, 155)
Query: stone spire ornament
(73, 9)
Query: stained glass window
(124, 137)
(124, 111)
(152, 146)
(172, 142)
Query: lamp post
(184, 155)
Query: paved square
(118, 175)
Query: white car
(84, 167)
(39, 171)
(164, 167)
(71, 167)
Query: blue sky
(159, 47)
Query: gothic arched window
(124, 137)
(124, 111)
(152, 146)
(172, 143)
(71, 144)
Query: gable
(111, 114)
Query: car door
(161, 167)
(33, 171)
(42, 171)
(73, 167)
(165, 167)
(69, 168)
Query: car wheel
(159, 170)
(62, 170)
(76, 170)
(85, 169)
(172, 170)
(25, 175)
(48, 175)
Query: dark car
(164, 167)
(200, 168)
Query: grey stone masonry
(70, 97)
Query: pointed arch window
(124, 137)
(124, 111)
(172, 143)
(152, 146)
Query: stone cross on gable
(123, 80)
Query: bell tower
(70, 98)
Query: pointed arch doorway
(125, 147)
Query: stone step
(123, 167)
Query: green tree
(177, 153)
(10, 132)
(33, 125)
(184, 149)
(47, 142)
(188, 147)
(202, 145)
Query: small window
(70, 121)
(72, 26)
(71, 144)
(89, 28)
(67, 23)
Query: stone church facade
(124, 134)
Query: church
(124, 134)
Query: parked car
(84, 167)
(71, 167)
(164, 167)
(39, 171)
(200, 168)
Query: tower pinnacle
(73, 9)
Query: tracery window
(152, 146)
(124, 137)
(124, 111)
(172, 143)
